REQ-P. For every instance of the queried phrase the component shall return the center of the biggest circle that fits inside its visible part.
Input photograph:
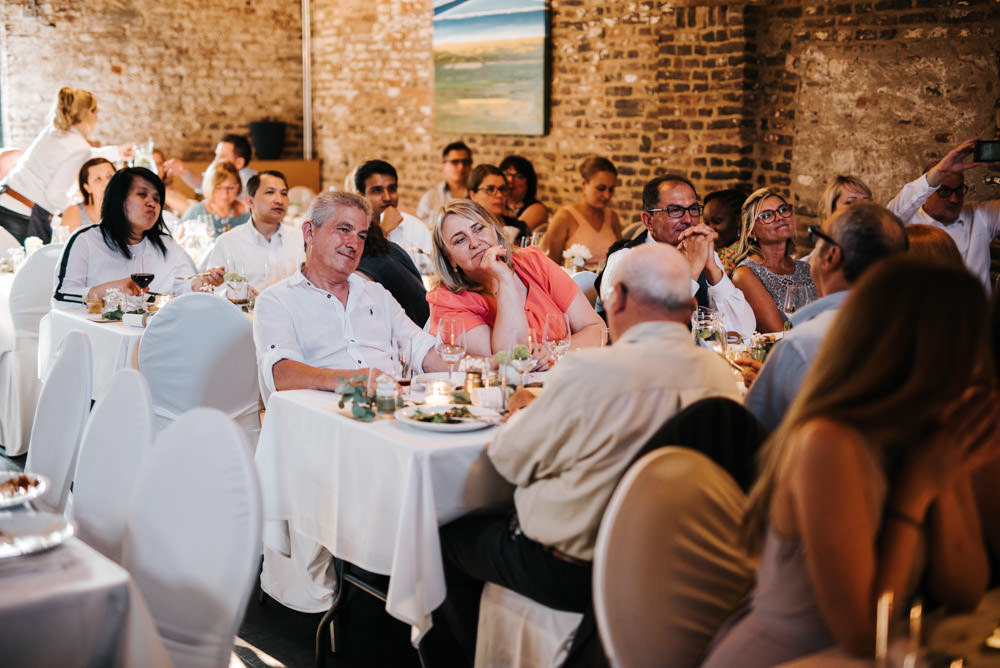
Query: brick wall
(785, 94)
(183, 72)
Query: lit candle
(440, 393)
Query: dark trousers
(14, 223)
(487, 547)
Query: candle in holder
(439, 393)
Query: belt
(514, 527)
(16, 195)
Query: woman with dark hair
(722, 214)
(41, 183)
(590, 222)
(853, 499)
(93, 179)
(131, 234)
(488, 188)
(392, 267)
(498, 292)
(764, 264)
(522, 196)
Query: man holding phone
(937, 198)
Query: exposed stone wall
(784, 94)
(183, 72)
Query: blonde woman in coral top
(589, 222)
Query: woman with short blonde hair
(222, 205)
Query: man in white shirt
(456, 163)
(264, 251)
(567, 450)
(378, 182)
(672, 215)
(938, 198)
(324, 323)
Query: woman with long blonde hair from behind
(865, 487)
(44, 180)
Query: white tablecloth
(71, 606)
(373, 494)
(115, 345)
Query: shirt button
(272, 346)
(328, 296)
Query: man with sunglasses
(846, 245)
(456, 163)
(938, 198)
(672, 215)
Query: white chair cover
(19, 385)
(117, 437)
(585, 281)
(198, 351)
(63, 406)
(668, 567)
(517, 631)
(7, 241)
(192, 536)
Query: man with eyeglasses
(938, 198)
(847, 244)
(456, 163)
(672, 215)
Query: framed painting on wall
(490, 66)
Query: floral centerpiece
(576, 256)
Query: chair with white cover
(668, 567)
(632, 230)
(585, 281)
(192, 535)
(63, 406)
(118, 435)
(198, 350)
(514, 630)
(29, 300)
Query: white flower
(578, 253)
(31, 244)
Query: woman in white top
(44, 179)
(131, 235)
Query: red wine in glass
(142, 279)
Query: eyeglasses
(957, 190)
(460, 161)
(770, 215)
(493, 190)
(674, 211)
(815, 231)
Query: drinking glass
(140, 276)
(451, 342)
(523, 365)
(709, 330)
(556, 335)
(796, 296)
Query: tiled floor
(272, 635)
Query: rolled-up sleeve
(729, 300)
(405, 332)
(274, 338)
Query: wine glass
(556, 335)
(451, 343)
(796, 296)
(521, 363)
(139, 275)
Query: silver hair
(325, 205)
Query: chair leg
(325, 639)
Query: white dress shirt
(87, 261)
(263, 261)
(724, 296)
(298, 321)
(48, 171)
(977, 225)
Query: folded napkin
(135, 319)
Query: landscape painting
(490, 66)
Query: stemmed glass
(451, 343)
(796, 296)
(139, 275)
(556, 335)
(521, 363)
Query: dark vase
(268, 139)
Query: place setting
(23, 530)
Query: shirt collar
(813, 309)
(656, 329)
(298, 278)
(259, 238)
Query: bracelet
(905, 519)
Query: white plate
(17, 498)
(25, 533)
(484, 418)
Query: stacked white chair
(585, 281)
(19, 385)
(668, 567)
(63, 406)
(192, 536)
(199, 351)
(118, 436)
